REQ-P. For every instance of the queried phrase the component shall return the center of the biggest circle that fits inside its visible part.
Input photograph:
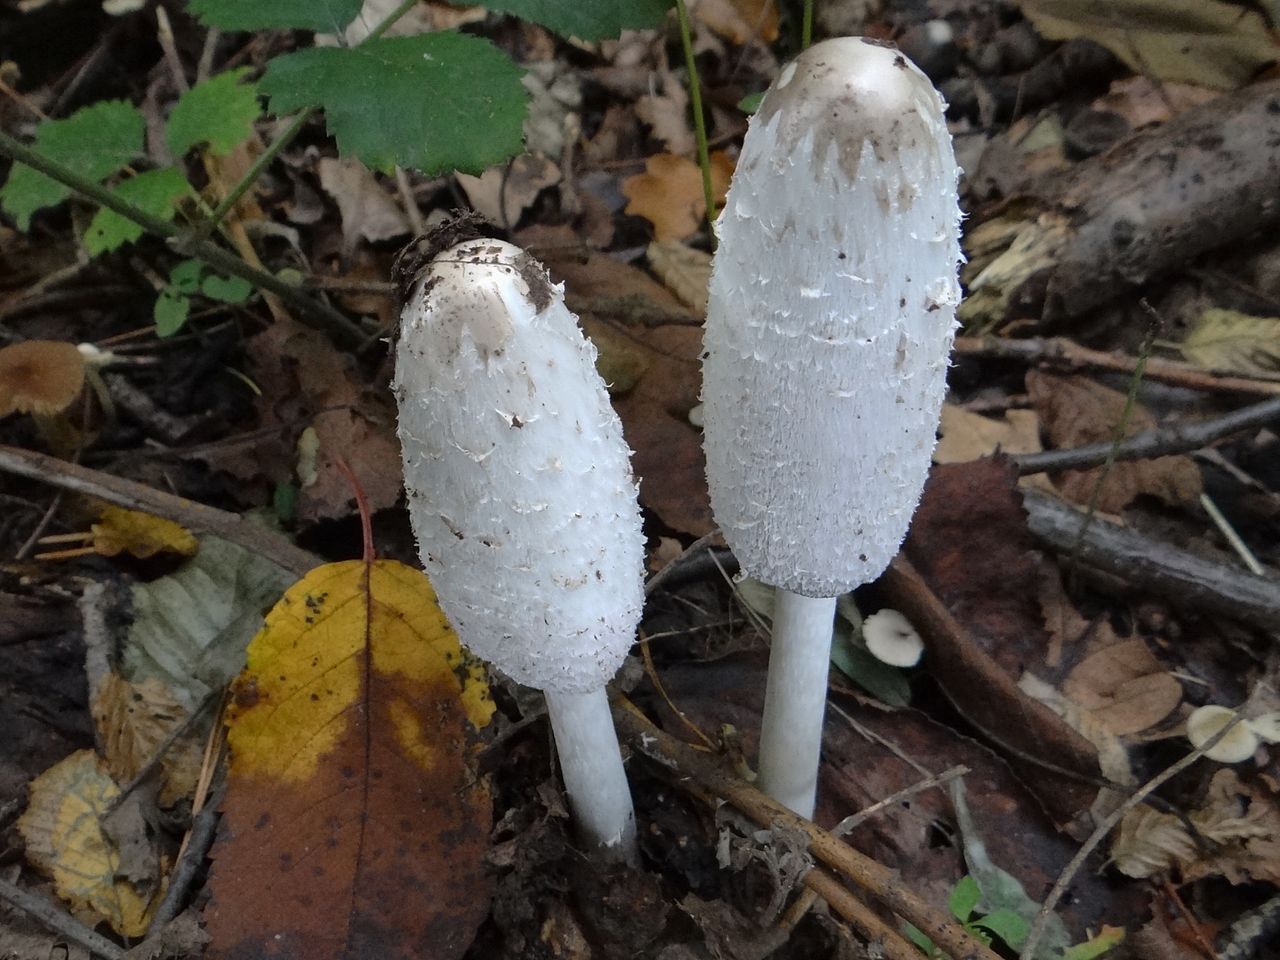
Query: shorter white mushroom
(523, 501)
(1236, 747)
(892, 639)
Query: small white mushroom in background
(1237, 746)
(1267, 727)
(523, 502)
(892, 639)
(829, 323)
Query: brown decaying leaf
(133, 720)
(355, 822)
(1124, 686)
(1076, 411)
(305, 382)
(669, 193)
(1241, 820)
(140, 534)
(367, 210)
(504, 192)
(969, 541)
(1143, 102)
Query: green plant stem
(699, 121)
(251, 175)
(287, 137)
(806, 26)
(321, 314)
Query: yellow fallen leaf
(353, 780)
(684, 271)
(64, 836)
(140, 534)
(1236, 342)
(1211, 43)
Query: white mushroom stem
(591, 765)
(791, 737)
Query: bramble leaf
(153, 192)
(327, 16)
(171, 311)
(226, 289)
(220, 112)
(94, 142)
(964, 898)
(595, 20)
(437, 102)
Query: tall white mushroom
(829, 323)
(522, 498)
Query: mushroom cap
(39, 376)
(1236, 747)
(830, 318)
(518, 479)
(892, 639)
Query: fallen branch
(1154, 565)
(1061, 352)
(880, 881)
(1159, 442)
(59, 920)
(136, 496)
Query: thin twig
(1060, 351)
(136, 496)
(204, 827)
(1036, 933)
(852, 822)
(59, 921)
(875, 878)
(1159, 442)
(699, 120)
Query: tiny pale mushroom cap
(1236, 747)
(39, 376)
(892, 639)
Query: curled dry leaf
(1241, 820)
(65, 837)
(353, 732)
(140, 534)
(505, 191)
(368, 211)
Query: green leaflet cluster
(435, 102)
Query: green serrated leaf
(590, 20)
(226, 289)
(437, 102)
(185, 276)
(219, 112)
(325, 16)
(1007, 925)
(171, 311)
(154, 192)
(1234, 341)
(94, 142)
(964, 898)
